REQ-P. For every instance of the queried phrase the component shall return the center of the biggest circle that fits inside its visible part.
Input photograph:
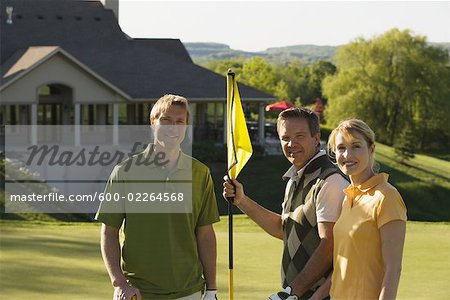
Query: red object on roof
(282, 105)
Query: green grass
(422, 167)
(63, 261)
(423, 181)
(58, 261)
(426, 262)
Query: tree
(290, 81)
(281, 90)
(392, 81)
(258, 73)
(405, 144)
(291, 73)
(315, 73)
(304, 82)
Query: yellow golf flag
(238, 141)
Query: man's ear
(317, 137)
(152, 120)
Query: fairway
(63, 261)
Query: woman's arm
(392, 241)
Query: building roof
(144, 69)
(37, 55)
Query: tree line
(397, 82)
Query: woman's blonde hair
(347, 128)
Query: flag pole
(230, 249)
(230, 202)
(239, 151)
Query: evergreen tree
(405, 144)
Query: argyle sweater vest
(301, 235)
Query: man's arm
(110, 247)
(392, 241)
(319, 262)
(207, 251)
(266, 219)
(324, 290)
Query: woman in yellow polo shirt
(370, 233)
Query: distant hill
(303, 52)
(203, 52)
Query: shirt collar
(351, 191)
(183, 160)
(292, 171)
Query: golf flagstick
(239, 150)
(230, 200)
(230, 249)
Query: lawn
(63, 261)
(422, 167)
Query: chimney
(113, 5)
(9, 12)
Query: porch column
(34, 117)
(261, 123)
(77, 123)
(116, 123)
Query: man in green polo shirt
(165, 254)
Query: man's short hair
(300, 113)
(163, 104)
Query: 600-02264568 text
(142, 197)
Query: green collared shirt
(159, 251)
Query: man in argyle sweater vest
(311, 206)
(301, 236)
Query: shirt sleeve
(112, 213)
(209, 212)
(391, 207)
(330, 197)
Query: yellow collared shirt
(358, 264)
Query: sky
(258, 25)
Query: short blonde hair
(163, 104)
(347, 128)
